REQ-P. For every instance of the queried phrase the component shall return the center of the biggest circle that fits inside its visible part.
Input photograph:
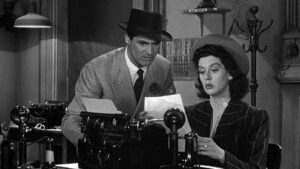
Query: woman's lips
(208, 86)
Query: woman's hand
(207, 147)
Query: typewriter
(112, 141)
(48, 114)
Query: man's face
(142, 50)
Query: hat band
(142, 30)
(155, 35)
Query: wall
(19, 69)
(29, 58)
(182, 25)
(9, 72)
(93, 31)
(290, 125)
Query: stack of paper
(100, 106)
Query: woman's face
(214, 77)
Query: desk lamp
(32, 19)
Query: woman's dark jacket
(243, 133)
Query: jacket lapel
(229, 128)
(231, 119)
(148, 80)
(200, 118)
(121, 84)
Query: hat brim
(165, 36)
(229, 45)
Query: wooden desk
(62, 147)
(202, 11)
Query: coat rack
(255, 30)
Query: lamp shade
(32, 20)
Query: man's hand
(142, 116)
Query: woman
(230, 133)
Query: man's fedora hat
(230, 45)
(148, 24)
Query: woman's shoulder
(254, 111)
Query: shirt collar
(131, 67)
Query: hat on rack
(230, 45)
(148, 24)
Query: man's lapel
(121, 84)
(148, 80)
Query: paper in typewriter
(100, 106)
(157, 106)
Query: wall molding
(138, 4)
(54, 52)
(289, 79)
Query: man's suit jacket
(107, 77)
(243, 132)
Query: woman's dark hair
(239, 84)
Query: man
(114, 75)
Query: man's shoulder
(162, 59)
(106, 57)
(102, 62)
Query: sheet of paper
(100, 106)
(157, 106)
(70, 165)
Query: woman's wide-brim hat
(148, 24)
(230, 45)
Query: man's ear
(127, 39)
